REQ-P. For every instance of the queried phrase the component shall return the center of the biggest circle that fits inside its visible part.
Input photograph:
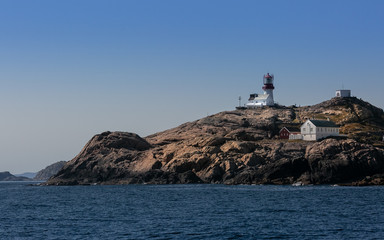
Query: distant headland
(7, 176)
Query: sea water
(190, 212)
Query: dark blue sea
(190, 212)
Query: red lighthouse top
(268, 82)
(267, 76)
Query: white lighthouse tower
(265, 99)
(268, 88)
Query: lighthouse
(265, 99)
(268, 88)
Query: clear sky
(70, 69)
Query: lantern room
(268, 82)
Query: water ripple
(190, 212)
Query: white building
(259, 100)
(265, 99)
(313, 130)
(343, 93)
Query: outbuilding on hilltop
(343, 93)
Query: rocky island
(7, 176)
(240, 147)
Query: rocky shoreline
(236, 147)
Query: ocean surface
(190, 212)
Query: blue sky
(72, 69)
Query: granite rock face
(333, 161)
(233, 147)
(49, 171)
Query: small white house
(343, 93)
(295, 136)
(259, 100)
(313, 130)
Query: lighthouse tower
(268, 88)
(266, 99)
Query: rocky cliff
(49, 171)
(237, 147)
